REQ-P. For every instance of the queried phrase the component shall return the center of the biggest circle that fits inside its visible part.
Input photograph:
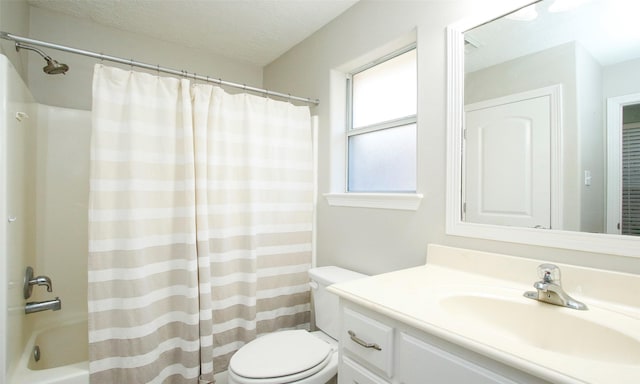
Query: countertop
(575, 349)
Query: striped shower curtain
(199, 225)
(254, 194)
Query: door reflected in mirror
(552, 118)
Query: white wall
(73, 90)
(592, 139)
(621, 79)
(541, 69)
(375, 241)
(14, 18)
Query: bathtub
(63, 356)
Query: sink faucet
(549, 289)
(38, 306)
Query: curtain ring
(158, 70)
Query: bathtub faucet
(38, 306)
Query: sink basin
(545, 326)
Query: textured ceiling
(253, 31)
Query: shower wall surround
(43, 208)
(61, 200)
(18, 124)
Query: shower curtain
(200, 225)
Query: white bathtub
(63, 356)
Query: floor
(221, 378)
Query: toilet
(297, 356)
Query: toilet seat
(281, 357)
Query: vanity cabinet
(421, 362)
(375, 349)
(354, 373)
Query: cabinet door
(353, 373)
(422, 363)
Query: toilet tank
(326, 304)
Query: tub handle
(30, 281)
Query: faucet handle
(549, 273)
(30, 281)
(42, 280)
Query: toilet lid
(279, 354)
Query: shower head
(53, 67)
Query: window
(381, 125)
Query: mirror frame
(580, 241)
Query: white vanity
(462, 318)
(409, 355)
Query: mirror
(537, 101)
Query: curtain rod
(157, 68)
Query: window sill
(401, 201)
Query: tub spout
(38, 306)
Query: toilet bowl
(297, 356)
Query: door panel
(508, 164)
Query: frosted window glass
(383, 161)
(386, 91)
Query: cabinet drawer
(369, 340)
(352, 373)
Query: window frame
(378, 126)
